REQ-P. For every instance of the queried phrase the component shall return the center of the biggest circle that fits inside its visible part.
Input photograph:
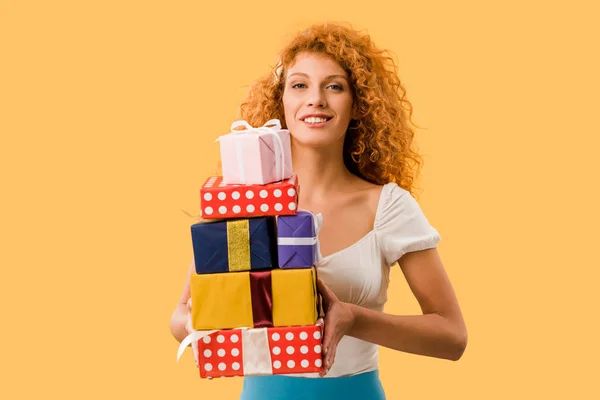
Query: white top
(359, 274)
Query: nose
(316, 98)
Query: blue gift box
(235, 245)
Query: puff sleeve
(401, 225)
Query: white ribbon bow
(266, 128)
(192, 339)
(255, 344)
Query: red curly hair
(379, 145)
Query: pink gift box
(256, 156)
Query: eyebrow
(327, 77)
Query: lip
(303, 117)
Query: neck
(319, 172)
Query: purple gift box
(297, 241)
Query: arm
(440, 332)
(179, 318)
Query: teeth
(315, 120)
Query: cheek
(289, 108)
(344, 106)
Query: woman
(346, 109)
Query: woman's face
(317, 100)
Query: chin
(316, 137)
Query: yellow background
(108, 115)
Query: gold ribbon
(238, 245)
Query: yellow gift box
(279, 297)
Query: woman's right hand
(188, 324)
(181, 324)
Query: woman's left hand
(339, 319)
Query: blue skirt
(365, 386)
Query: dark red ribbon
(262, 299)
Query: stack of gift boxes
(254, 298)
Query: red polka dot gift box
(221, 201)
(258, 351)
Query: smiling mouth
(316, 120)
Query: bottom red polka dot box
(260, 351)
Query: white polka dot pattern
(227, 347)
(289, 350)
(239, 201)
(296, 355)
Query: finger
(321, 307)
(188, 324)
(330, 357)
(189, 303)
(328, 335)
(323, 371)
(328, 361)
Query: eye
(336, 87)
(299, 86)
